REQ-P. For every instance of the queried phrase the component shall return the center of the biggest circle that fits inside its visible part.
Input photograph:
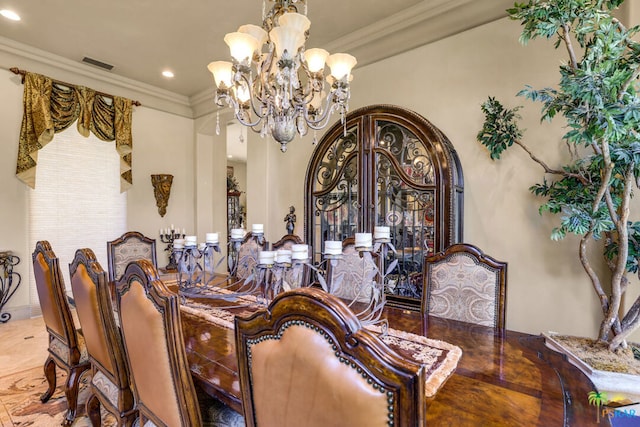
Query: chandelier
(274, 85)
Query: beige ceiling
(140, 38)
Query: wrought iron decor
(392, 168)
(9, 281)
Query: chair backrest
(131, 246)
(306, 361)
(286, 242)
(351, 276)
(95, 312)
(248, 255)
(53, 300)
(162, 381)
(463, 283)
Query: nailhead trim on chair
(338, 354)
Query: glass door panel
(336, 202)
(405, 196)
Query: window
(77, 201)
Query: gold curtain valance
(51, 107)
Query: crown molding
(203, 103)
(421, 24)
(426, 22)
(15, 54)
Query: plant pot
(617, 386)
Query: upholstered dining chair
(66, 344)
(157, 360)
(110, 385)
(463, 283)
(248, 254)
(350, 277)
(286, 242)
(306, 361)
(131, 246)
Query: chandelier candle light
(276, 86)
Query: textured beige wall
(210, 180)
(13, 193)
(446, 82)
(163, 144)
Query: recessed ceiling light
(229, 156)
(168, 74)
(10, 15)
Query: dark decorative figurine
(290, 219)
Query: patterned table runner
(439, 358)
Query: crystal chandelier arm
(243, 107)
(318, 123)
(259, 92)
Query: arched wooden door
(391, 167)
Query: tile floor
(23, 345)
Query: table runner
(439, 358)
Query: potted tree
(597, 96)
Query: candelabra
(237, 236)
(197, 266)
(373, 278)
(168, 236)
(188, 266)
(264, 279)
(282, 270)
(9, 281)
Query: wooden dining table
(501, 380)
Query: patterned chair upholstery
(248, 255)
(306, 361)
(156, 356)
(110, 384)
(131, 246)
(350, 278)
(463, 283)
(66, 344)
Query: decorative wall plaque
(162, 190)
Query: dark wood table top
(500, 381)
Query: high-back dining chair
(131, 246)
(157, 360)
(286, 242)
(306, 361)
(463, 283)
(66, 344)
(350, 277)
(110, 385)
(248, 254)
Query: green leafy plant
(597, 98)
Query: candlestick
(170, 237)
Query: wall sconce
(162, 190)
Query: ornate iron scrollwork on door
(393, 168)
